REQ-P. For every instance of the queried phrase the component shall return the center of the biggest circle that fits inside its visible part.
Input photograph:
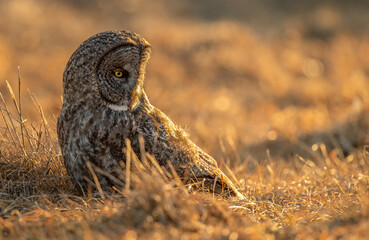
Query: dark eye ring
(119, 73)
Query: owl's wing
(169, 142)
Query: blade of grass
(20, 104)
(128, 164)
(96, 180)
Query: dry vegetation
(299, 93)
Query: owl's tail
(226, 183)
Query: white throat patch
(118, 107)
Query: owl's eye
(119, 73)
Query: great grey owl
(104, 104)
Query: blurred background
(233, 73)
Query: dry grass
(238, 91)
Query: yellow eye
(118, 73)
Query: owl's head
(107, 69)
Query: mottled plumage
(105, 104)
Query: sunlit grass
(285, 117)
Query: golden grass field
(282, 107)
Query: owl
(104, 104)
